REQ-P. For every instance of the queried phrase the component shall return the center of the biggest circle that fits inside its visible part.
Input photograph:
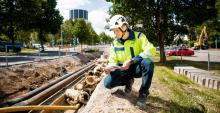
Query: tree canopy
(105, 39)
(160, 20)
(81, 31)
(29, 15)
(48, 20)
(17, 15)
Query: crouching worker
(130, 57)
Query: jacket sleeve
(112, 57)
(148, 50)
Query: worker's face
(118, 33)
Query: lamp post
(6, 55)
(61, 35)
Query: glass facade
(75, 14)
(78, 13)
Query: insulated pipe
(80, 86)
(72, 101)
(90, 73)
(51, 90)
(97, 73)
(89, 90)
(98, 68)
(40, 89)
(91, 80)
(76, 96)
(28, 108)
(83, 97)
(73, 94)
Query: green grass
(180, 94)
(24, 51)
(27, 50)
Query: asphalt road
(49, 53)
(202, 55)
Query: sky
(97, 11)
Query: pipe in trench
(51, 90)
(38, 90)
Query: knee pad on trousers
(108, 82)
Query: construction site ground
(20, 79)
(169, 93)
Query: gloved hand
(109, 69)
(127, 64)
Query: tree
(162, 19)
(194, 13)
(67, 30)
(217, 5)
(81, 31)
(16, 15)
(213, 26)
(48, 20)
(23, 36)
(105, 38)
(93, 37)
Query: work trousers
(143, 69)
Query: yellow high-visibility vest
(136, 46)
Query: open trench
(71, 93)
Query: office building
(78, 13)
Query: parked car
(36, 46)
(180, 52)
(16, 47)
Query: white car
(36, 46)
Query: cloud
(97, 15)
(65, 5)
(98, 19)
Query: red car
(179, 52)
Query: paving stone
(207, 82)
(179, 69)
(186, 68)
(188, 75)
(202, 77)
(194, 78)
(201, 80)
(186, 71)
(216, 84)
(211, 83)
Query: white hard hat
(117, 21)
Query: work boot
(141, 101)
(128, 86)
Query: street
(202, 55)
(49, 53)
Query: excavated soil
(20, 79)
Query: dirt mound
(87, 56)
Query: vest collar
(130, 37)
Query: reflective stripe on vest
(139, 34)
(132, 52)
(119, 48)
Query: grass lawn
(24, 51)
(174, 93)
